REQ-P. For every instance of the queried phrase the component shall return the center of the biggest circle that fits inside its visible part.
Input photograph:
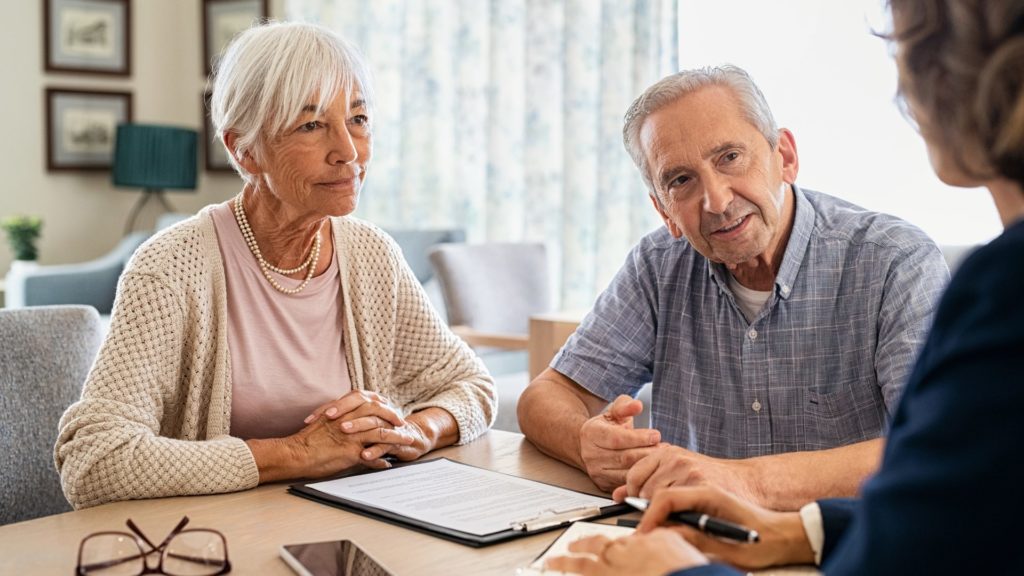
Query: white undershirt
(749, 301)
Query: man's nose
(717, 195)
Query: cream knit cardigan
(155, 411)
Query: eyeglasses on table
(193, 552)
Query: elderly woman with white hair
(272, 336)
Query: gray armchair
(45, 354)
(416, 246)
(490, 291)
(92, 283)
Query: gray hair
(671, 88)
(271, 71)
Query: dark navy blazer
(949, 497)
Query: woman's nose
(343, 148)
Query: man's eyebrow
(723, 147)
(671, 172)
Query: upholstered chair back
(45, 355)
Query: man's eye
(679, 181)
(731, 156)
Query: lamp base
(141, 203)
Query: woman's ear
(244, 159)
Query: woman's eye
(361, 120)
(309, 126)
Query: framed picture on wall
(216, 156)
(223, 20)
(81, 126)
(90, 36)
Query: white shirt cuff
(814, 527)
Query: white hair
(271, 71)
(671, 88)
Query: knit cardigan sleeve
(406, 350)
(145, 426)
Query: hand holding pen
(744, 534)
(703, 522)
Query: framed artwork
(90, 36)
(223, 20)
(81, 126)
(216, 156)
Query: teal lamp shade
(155, 157)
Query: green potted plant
(22, 233)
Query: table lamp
(154, 158)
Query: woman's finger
(571, 564)
(590, 545)
(363, 424)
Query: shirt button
(752, 334)
(756, 406)
(785, 289)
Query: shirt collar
(796, 248)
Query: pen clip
(551, 517)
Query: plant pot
(14, 282)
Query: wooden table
(257, 522)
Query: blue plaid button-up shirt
(822, 364)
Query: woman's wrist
(437, 428)
(796, 548)
(275, 457)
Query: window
(833, 84)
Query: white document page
(560, 547)
(458, 496)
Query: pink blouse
(287, 350)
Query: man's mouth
(732, 226)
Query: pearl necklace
(266, 267)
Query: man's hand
(783, 540)
(610, 446)
(654, 554)
(674, 466)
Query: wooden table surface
(258, 522)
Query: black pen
(703, 522)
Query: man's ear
(790, 160)
(674, 230)
(245, 159)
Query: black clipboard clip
(551, 517)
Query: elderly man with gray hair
(778, 325)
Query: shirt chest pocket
(841, 414)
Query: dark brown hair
(962, 69)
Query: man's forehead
(696, 124)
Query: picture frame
(223, 20)
(81, 126)
(87, 36)
(213, 151)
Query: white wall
(830, 81)
(83, 214)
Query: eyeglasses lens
(111, 555)
(195, 553)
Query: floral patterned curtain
(503, 117)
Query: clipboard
(550, 519)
